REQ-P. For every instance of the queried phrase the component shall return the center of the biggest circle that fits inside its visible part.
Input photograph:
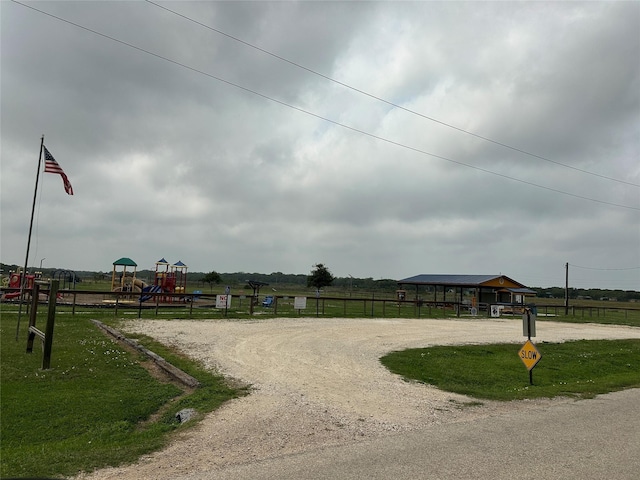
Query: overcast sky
(327, 137)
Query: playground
(169, 281)
(14, 280)
(168, 285)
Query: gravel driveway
(318, 383)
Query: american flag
(51, 166)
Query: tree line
(367, 284)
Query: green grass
(96, 407)
(608, 316)
(579, 368)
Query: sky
(382, 139)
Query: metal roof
(521, 290)
(457, 280)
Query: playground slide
(149, 289)
(143, 288)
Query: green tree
(211, 278)
(320, 277)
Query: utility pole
(566, 289)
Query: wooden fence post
(47, 335)
(51, 317)
(35, 293)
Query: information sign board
(223, 301)
(300, 303)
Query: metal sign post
(529, 354)
(528, 323)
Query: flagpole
(23, 283)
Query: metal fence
(203, 305)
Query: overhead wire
(299, 109)
(624, 283)
(387, 102)
(604, 269)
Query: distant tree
(320, 277)
(211, 278)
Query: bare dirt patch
(319, 382)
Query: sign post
(227, 292)
(529, 354)
(528, 323)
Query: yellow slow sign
(529, 355)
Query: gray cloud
(167, 161)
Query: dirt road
(318, 383)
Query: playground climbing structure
(171, 279)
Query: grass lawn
(582, 368)
(97, 406)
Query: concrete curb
(173, 371)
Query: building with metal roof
(484, 288)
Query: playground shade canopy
(488, 288)
(124, 261)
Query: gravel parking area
(318, 382)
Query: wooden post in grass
(35, 293)
(51, 318)
(47, 335)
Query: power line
(395, 105)
(622, 281)
(605, 269)
(299, 109)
